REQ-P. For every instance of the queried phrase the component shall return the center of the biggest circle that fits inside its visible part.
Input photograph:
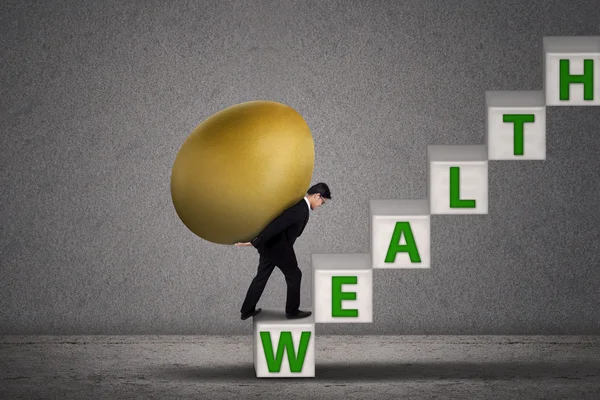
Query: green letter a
(395, 247)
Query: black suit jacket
(277, 239)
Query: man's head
(318, 194)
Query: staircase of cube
(515, 124)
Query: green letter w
(285, 341)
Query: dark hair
(320, 188)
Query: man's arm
(278, 225)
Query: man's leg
(265, 267)
(293, 278)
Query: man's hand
(243, 244)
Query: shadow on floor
(585, 370)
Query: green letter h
(587, 79)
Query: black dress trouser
(293, 276)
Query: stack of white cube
(458, 184)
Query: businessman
(275, 248)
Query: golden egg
(240, 168)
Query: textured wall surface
(98, 96)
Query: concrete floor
(347, 367)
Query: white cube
(458, 179)
(283, 348)
(342, 287)
(400, 233)
(578, 83)
(515, 125)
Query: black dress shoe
(299, 314)
(251, 314)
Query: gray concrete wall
(98, 96)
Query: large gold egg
(240, 168)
